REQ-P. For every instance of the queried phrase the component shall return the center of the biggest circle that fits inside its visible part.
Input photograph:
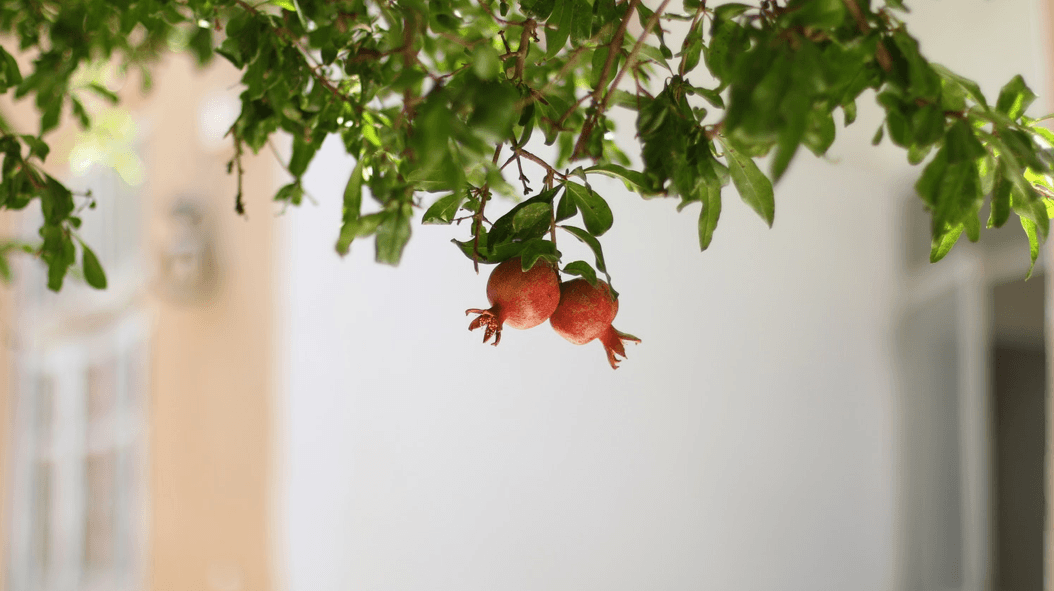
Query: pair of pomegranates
(577, 310)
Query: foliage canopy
(435, 99)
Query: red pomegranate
(585, 313)
(520, 299)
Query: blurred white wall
(747, 444)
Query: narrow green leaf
(753, 186)
(596, 214)
(351, 210)
(709, 215)
(303, 152)
(943, 244)
(1033, 243)
(93, 272)
(556, 37)
(104, 92)
(635, 181)
(1000, 208)
(392, 235)
(593, 244)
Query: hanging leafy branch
(436, 99)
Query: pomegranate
(520, 299)
(585, 313)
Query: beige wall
(211, 414)
(210, 421)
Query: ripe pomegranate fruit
(585, 313)
(520, 299)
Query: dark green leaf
(93, 272)
(1000, 208)
(533, 250)
(566, 208)
(532, 221)
(595, 211)
(593, 244)
(583, 270)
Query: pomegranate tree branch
(598, 111)
(484, 193)
(881, 54)
(614, 48)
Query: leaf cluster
(441, 102)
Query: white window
(77, 486)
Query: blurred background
(813, 407)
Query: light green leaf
(709, 215)
(444, 209)
(943, 244)
(1033, 243)
(1014, 98)
(392, 235)
(635, 181)
(753, 186)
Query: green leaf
(593, 244)
(943, 244)
(596, 214)
(104, 92)
(444, 209)
(1000, 209)
(583, 270)
(692, 50)
(539, 9)
(93, 272)
(709, 215)
(556, 37)
(532, 221)
(962, 143)
(303, 152)
(1033, 243)
(286, 4)
(753, 186)
(566, 208)
(635, 181)
(534, 250)
(37, 147)
(351, 209)
(967, 85)
(1014, 98)
(581, 20)
(392, 235)
(485, 62)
